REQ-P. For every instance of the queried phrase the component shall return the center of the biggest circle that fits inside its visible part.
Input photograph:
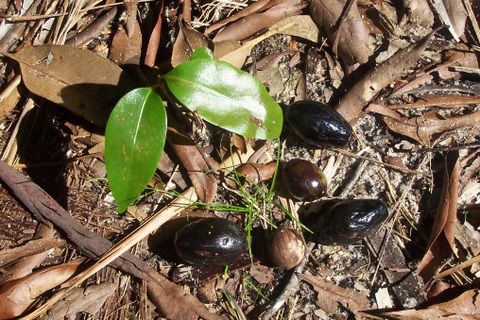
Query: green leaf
(202, 53)
(226, 96)
(134, 141)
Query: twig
(10, 87)
(461, 266)
(387, 165)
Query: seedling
(219, 92)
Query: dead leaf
(24, 266)
(257, 172)
(90, 91)
(330, 296)
(131, 7)
(440, 101)
(80, 300)
(442, 238)
(187, 41)
(30, 248)
(464, 307)
(418, 12)
(252, 8)
(126, 49)
(457, 15)
(197, 164)
(302, 27)
(262, 274)
(424, 129)
(353, 43)
(249, 25)
(18, 295)
(351, 105)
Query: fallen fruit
(349, 221)
(210, 241)
(304, 180)
(318, 124)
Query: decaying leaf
(249, 25)
(453, 15)
(32, 247)
(353, 41)
(90, 91)
(418, 12)
(126, 49)
(464, 307)
(378, 78)
(18, 295)
(187, 41)
(236, 54)
(442, 238)
(197, 164)
(80, 300)
(426, 128)
(252, 8)
(330, 296)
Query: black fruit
(349, 221)
(304, 180)
(318, 124)
(210, 241)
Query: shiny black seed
(210, 241)
(349, 221)
(318, 124)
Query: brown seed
(285, 248)
(304, 180)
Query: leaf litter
(341, 69)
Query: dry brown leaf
(440, 101)
(126, 49)
(254, 7)
(80, 300)
(330, 295)
(442, 238)
(418, 12)
(464, 307)
(424, 129)
(262, 274)
(18, 295)
(257, 172)
(30, 248)
(131, 7)
(197, 164)
(187, 41)
(24, 266)
(249, 25)
(457, 14)
(352, 104)
(301, 26)
(353, 45)
(90, 91)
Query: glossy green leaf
(226, 96)
(134, 141)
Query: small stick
(10, 87)
(93, 30)
(461, 266)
